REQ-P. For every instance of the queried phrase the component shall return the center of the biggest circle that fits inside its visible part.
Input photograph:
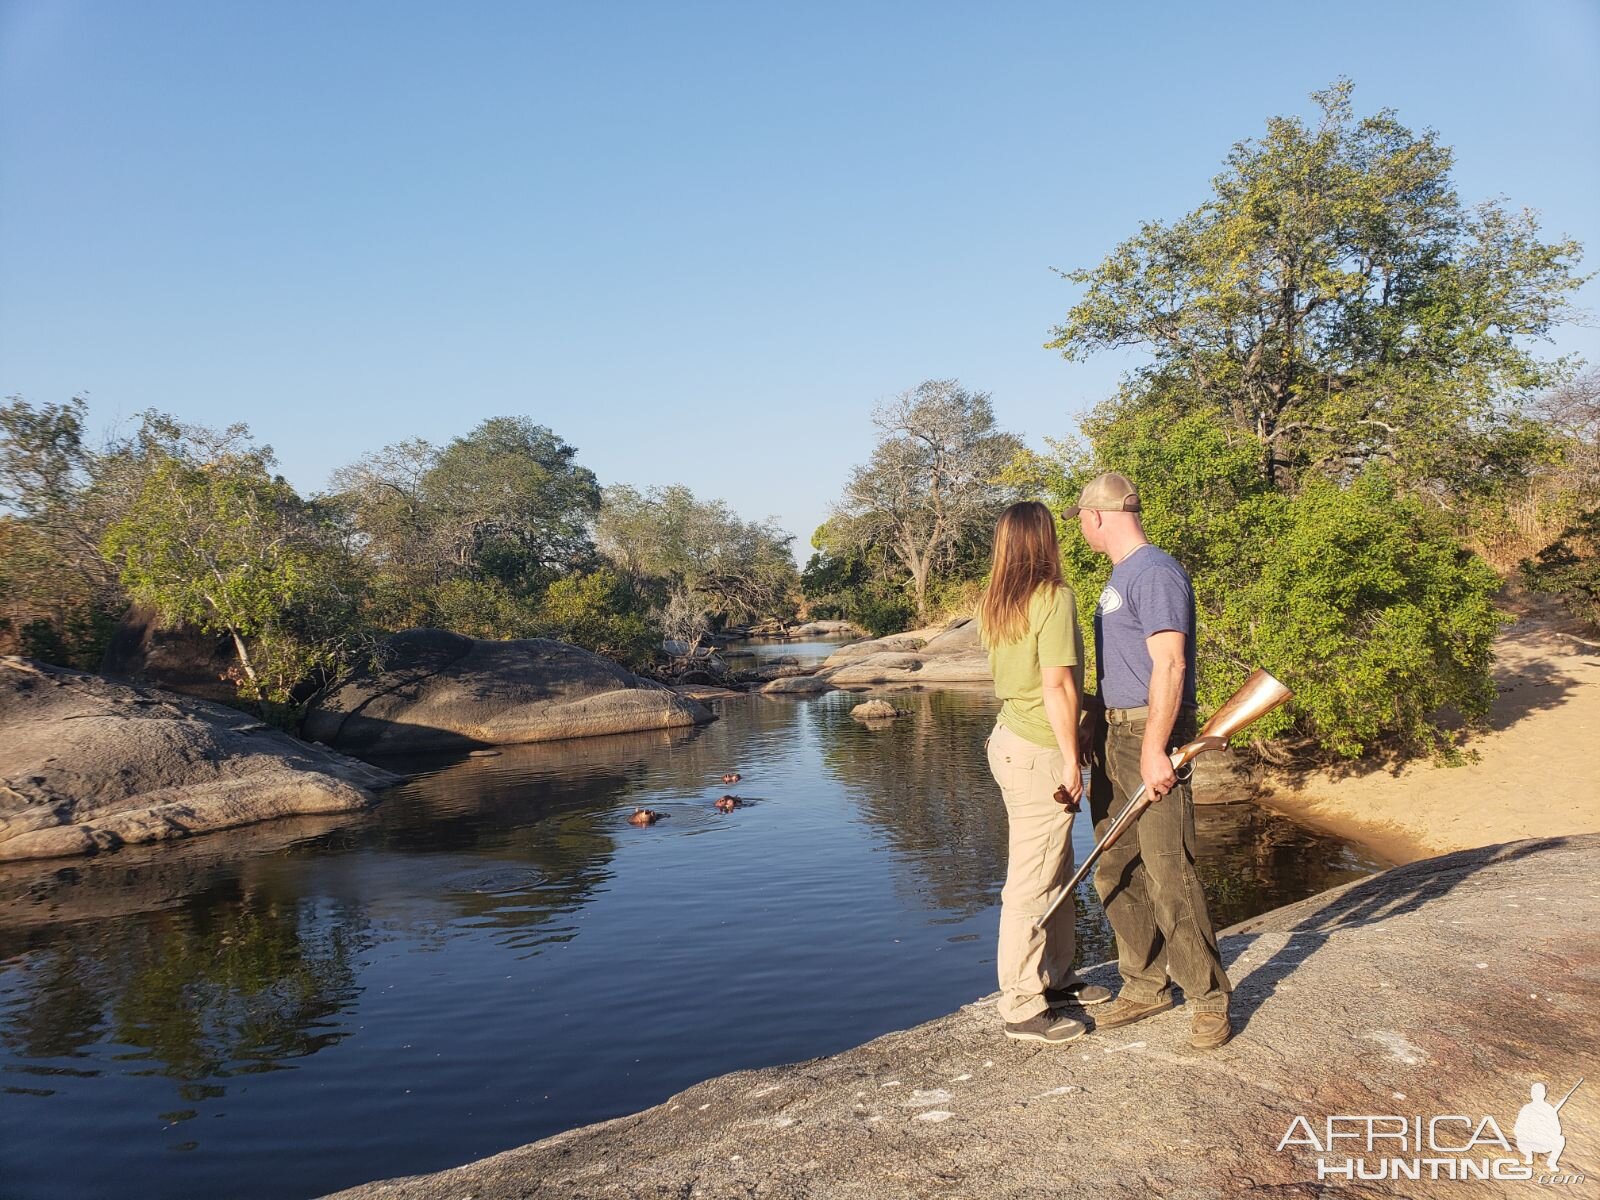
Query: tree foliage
(665, 538)
(382, 503)
(469, 534)
(510, 501)
(1339, 374)
(1569, 568)
(857, 583)
(61, 597)
(1337, 303)
(223, 544)
(58, 596)
(603, 612)
(489, 535)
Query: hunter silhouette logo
(1446, 1146)
(1538, 1127)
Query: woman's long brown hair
(1026, 554)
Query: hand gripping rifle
(1258, 696)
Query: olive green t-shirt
(1053, 639)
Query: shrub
(599, 612)
(483, 608)
(1356, 595)
(1364, 603)
(1569, 568)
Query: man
(1538, 1128)
(1144, 651)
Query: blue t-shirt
(1148, 592)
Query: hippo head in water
(645, 816)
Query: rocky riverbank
(941, 654)
(87, 764)
(439, 690)
(1447, 986)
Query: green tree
(853, 582)
(59, 598)
(1569, 568)
(511, 502)
(1356, 594)
(1335, 302)
(390, 524)
(600, 611)
(1339, 374)
(469, 535)
(481, 608)
(222, 543)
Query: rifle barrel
(1568, 1096)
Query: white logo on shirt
(1110, 601)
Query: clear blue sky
(699, 241)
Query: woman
(1028, 617)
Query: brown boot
(1208, 1030)
(1123, 1011)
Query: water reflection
(224, 986)
(460, 970)
(924, 783)
(923, 780)
(746, 656)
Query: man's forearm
(1166, 692)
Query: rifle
(1568, 1096)
(1258, 696)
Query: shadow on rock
(1381, 898)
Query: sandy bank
(1535, 772)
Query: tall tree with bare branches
(932, 483)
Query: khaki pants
(1147, 881)
(1039, 863)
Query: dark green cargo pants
(1147, 881)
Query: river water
(494, 954)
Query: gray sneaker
(1046, 1027)
(1077, 995)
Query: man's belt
(1123, 716)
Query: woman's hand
(1071, 787)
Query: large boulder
(87, 764)
(950, 653)
(798, 685)
(437, 690)
(898, 643)
(179, 658)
